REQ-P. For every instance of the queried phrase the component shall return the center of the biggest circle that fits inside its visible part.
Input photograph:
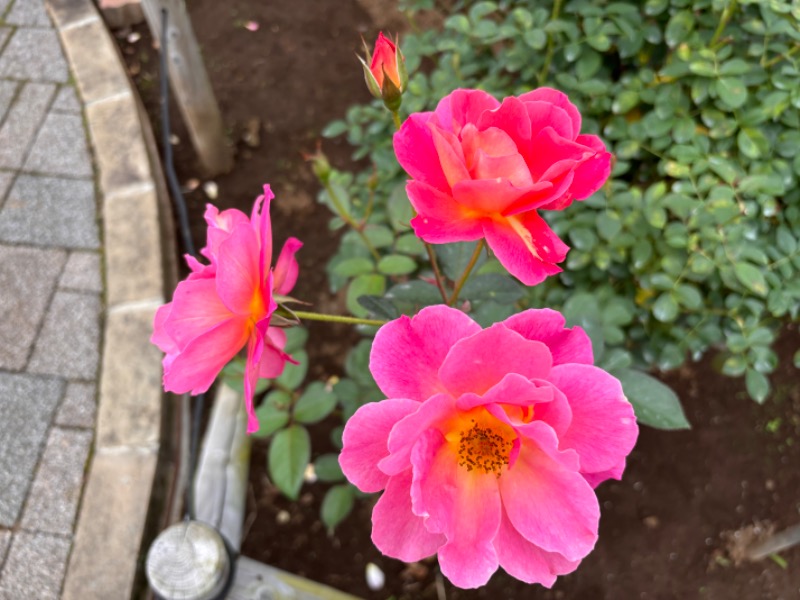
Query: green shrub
(695, 241)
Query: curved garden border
(122, 478)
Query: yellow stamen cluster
(483, 449)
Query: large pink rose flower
(226, 305)
(489, 445)
(482, 169)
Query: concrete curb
(113, 516)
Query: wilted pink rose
(222, 307)
(482, 169)
(489, 444)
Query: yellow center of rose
(482, 444)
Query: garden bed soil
(670, 530)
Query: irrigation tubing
(186, 233)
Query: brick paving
(51, 301)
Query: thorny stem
(463, 279)
(548, 57)
(436, 272)
(723, 22)
(310, 316)
(349, 220)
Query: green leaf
(233, 376)
(654, 403)
(296, 338)
(273, 413)
(796, 360)
(400, 209)
(751, 277)
(752, 142)
(289, 454)
(364, 285)
(380, 307)
(679, 27)
(583, 310)
(409, 243)
(689, 296)
(732, 91)
(417, 293)
(396, 264)
(293, 375)
(334, 128)
(336, 505)
(315, 404)
(757, 385)
(453, 258)
(327, 468)
(665, 309)
(351, 267)
(492, 286)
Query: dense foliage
(693, 244)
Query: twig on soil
(783, 540)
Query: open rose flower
(482, 169)
(489, 444)
(226, 305)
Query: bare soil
(670, 530)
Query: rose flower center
(483, 446)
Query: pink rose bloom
(385, 60)
(226, 305)
(482, 169)
(489, 445)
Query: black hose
(186, 233)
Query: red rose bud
(385, 72)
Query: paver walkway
(50, 304)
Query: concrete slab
(69, 13)
(69, 341)
(118, 143)
(109, 533)
(34, 567)
(130, 409)
(60, 148)
(28, 13)
(53, 498)
(67, 101)
(6, 177)
(82, 272)
(22, 122)
(28, 278)
(48, 211)
(133, 261)
(79, 407)
(7, 91)
(27, 404)
(5, 541)
(94, 57)
(34, 55)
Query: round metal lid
(188, 561)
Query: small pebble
(134, 37)
(769, 484)
(283, 517)
(174, 139)
(309, 475)
(211, 189)
(375, 577)
(651, 522)
(192, 184)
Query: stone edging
(114, 510)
